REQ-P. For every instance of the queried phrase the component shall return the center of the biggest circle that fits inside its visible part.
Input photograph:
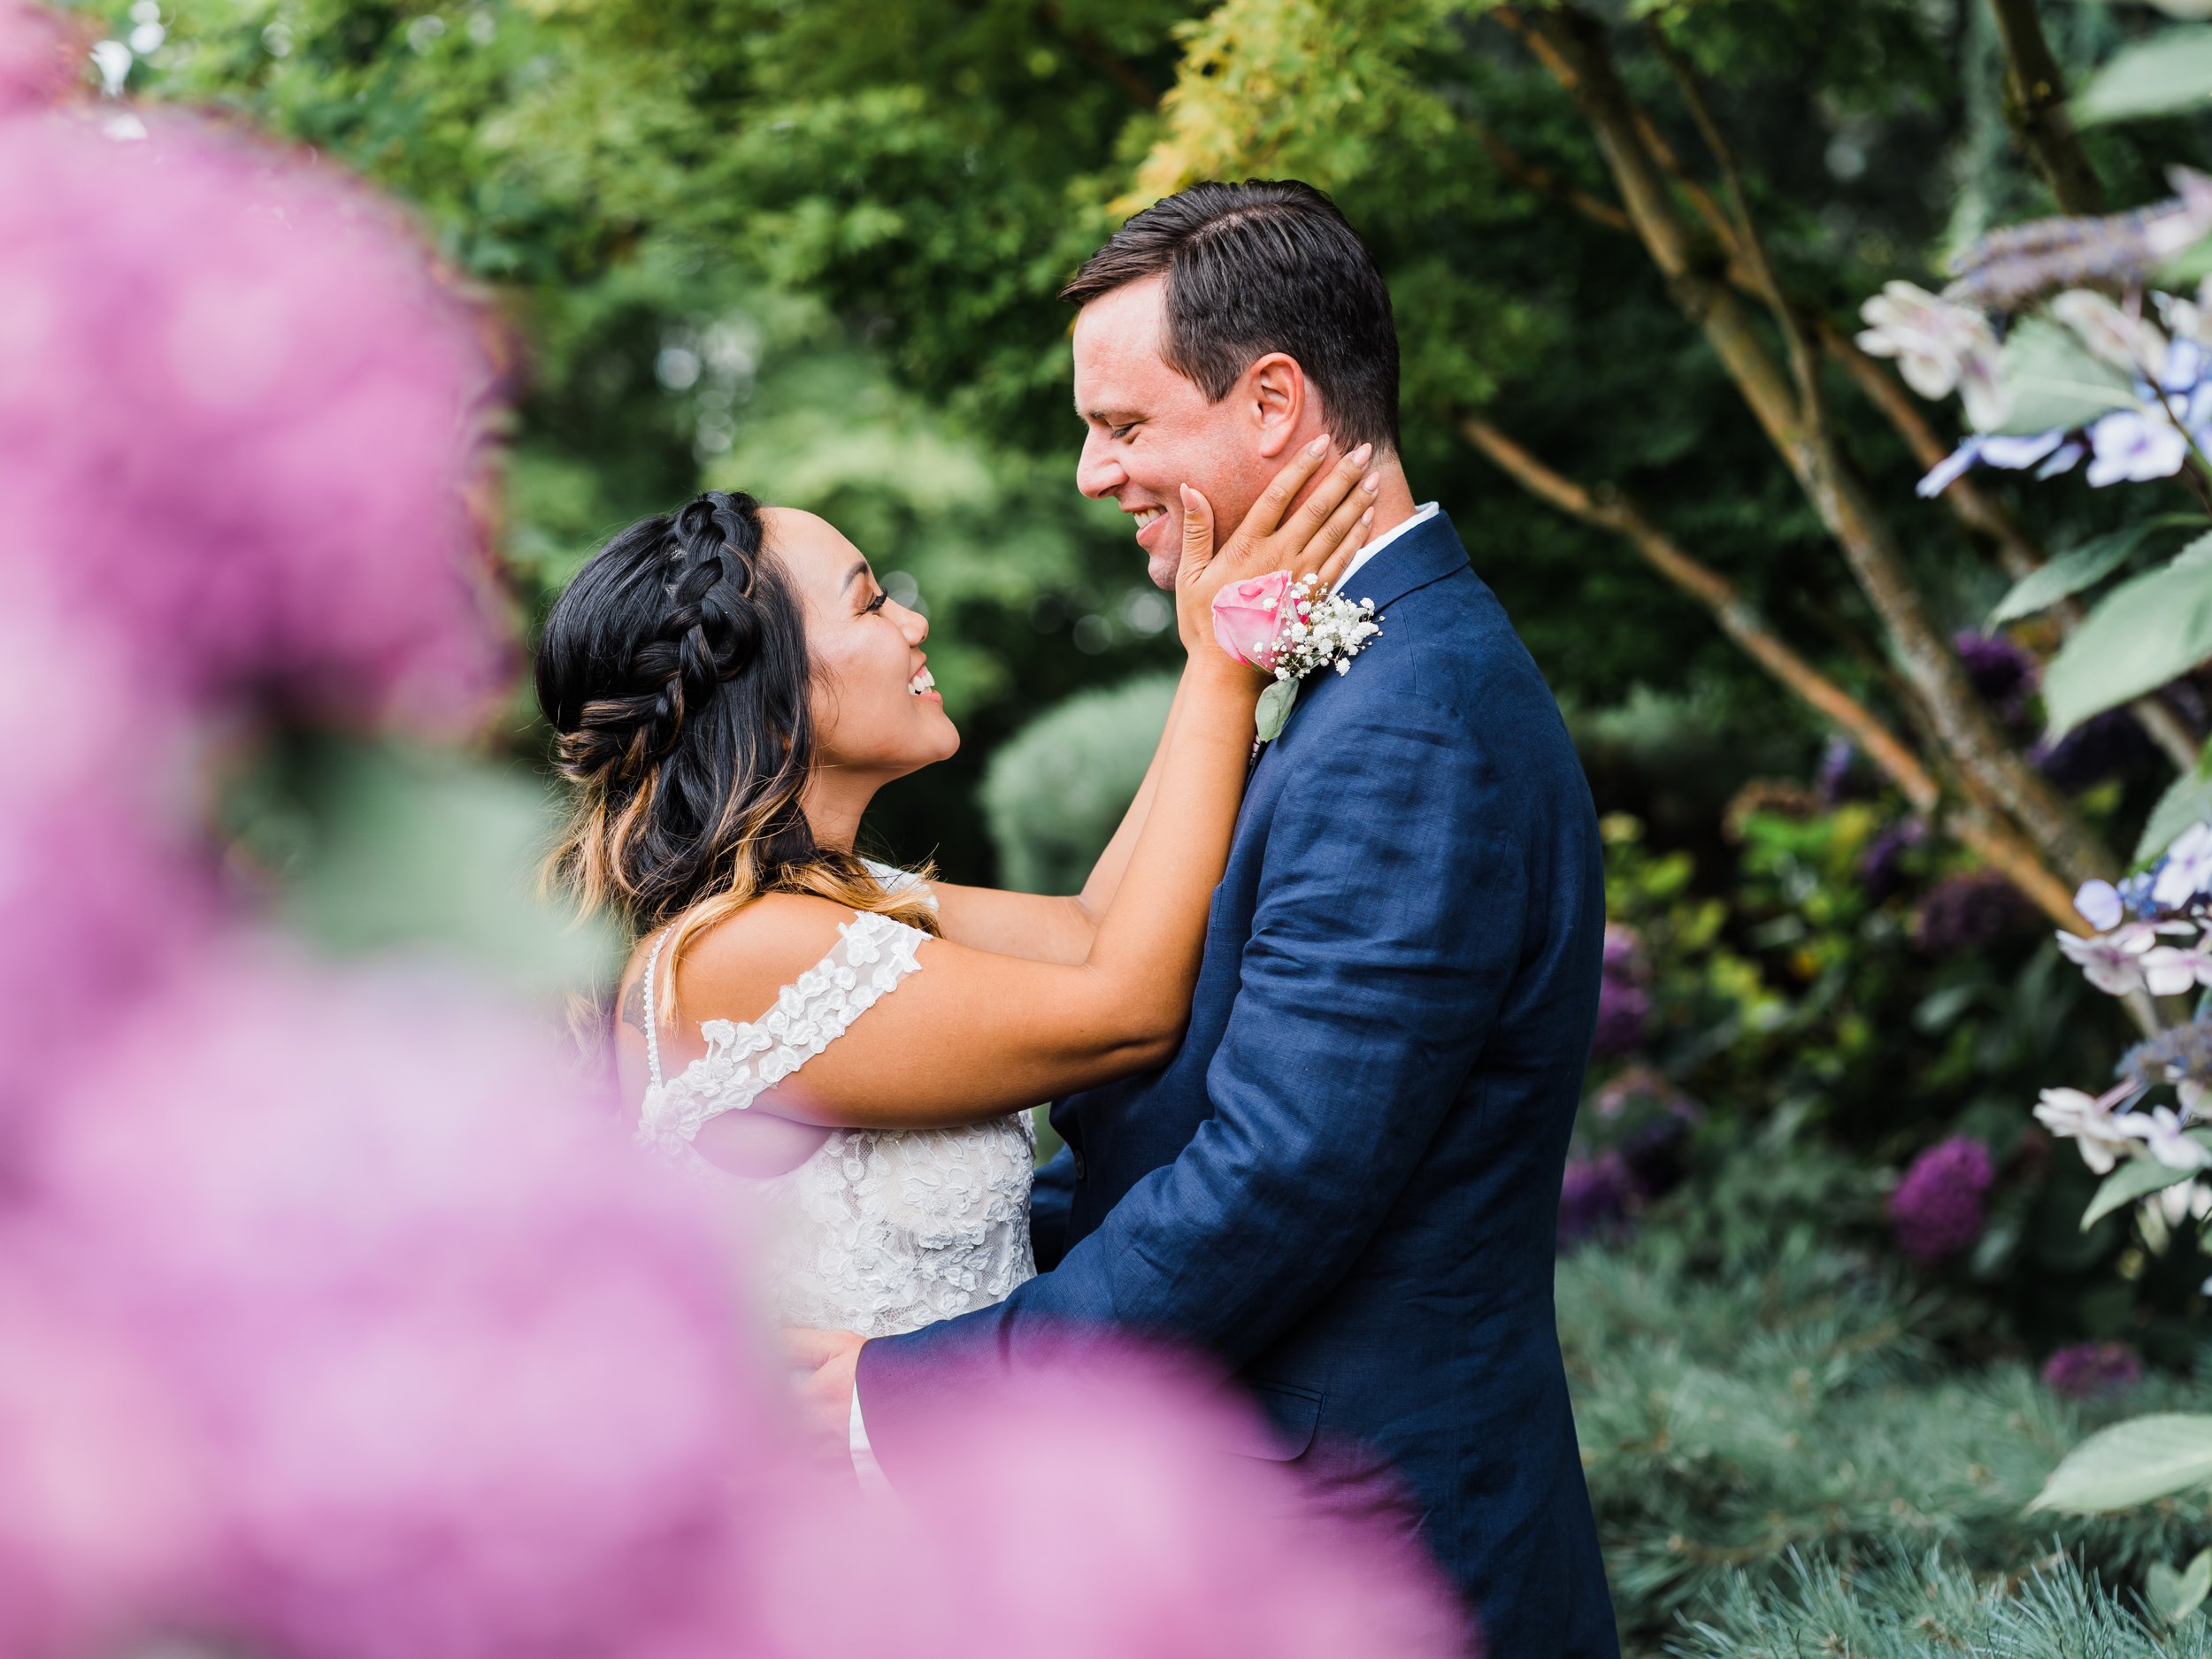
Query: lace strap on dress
(652, 1036)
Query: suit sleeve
(1389, 922)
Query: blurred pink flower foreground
(336, 1318)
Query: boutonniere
(1289, 628)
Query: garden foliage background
(809, 247)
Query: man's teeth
(1146, 515)
(921, 682)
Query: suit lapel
(1427, 553)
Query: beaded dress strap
(652, 1036)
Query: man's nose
(1097, 473)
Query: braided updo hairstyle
(674, 671)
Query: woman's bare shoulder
(734, 969)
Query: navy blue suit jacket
(1346, 1183)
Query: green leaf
(2170, 72)
(2138, 1177)
(2175, 1595)
(2142, 635)
(2131, 1463)
(2057, 384)
(1274, 709)
(2188, 800)
(2080, 567)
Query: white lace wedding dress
(879, 1230)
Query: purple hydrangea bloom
(1966, 912)
(1624, 1011)
(2003, 675)
(2111, 745)
(2088, 1369)
(1594, 1194)
(1936, 1209)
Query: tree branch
(2002, 848)
(2035, 108)
(1748, 247)
(1542, 180)
(1988, 765)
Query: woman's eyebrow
(849, 574)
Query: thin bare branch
(1542, 180)
(1748, 246)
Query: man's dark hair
(1266, 266)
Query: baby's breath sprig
(1320, 629)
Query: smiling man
(1183, 373)
(1344, 1186)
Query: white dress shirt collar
(1422, 514)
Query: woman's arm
(1046, 928)
(975, 1033)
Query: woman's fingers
(1267, 511)
(1328, 495)
(1333, 567)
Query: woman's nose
(913, 624)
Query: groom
(1344, 1185)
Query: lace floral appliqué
(879, 1230)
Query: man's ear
(1275, 391)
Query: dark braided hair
(674, 672)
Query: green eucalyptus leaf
(2080, 567)
(2188, 800)
(2056, 383)
(2145, 633)
(1274, 709)
(2168, 73)
(2138, 1177)
(2175, 1595)
(2131, 1463)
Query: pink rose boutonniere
(1289, 628)
(1249, 617)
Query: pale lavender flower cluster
(337, 1319)
(1936, 1209)
(2155, 929)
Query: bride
(730, 686)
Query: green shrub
(1900, 1607)
(1745, 1394)
(1056, 791)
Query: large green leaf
(2057, 384)
(2188, 800)
(2081, 567)
(2145, 633)
(2138, 1177)
(2131, 1463)
(2169, 72)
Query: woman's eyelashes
(876, 603)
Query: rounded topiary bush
(1056, 791)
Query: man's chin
(1162, 568)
